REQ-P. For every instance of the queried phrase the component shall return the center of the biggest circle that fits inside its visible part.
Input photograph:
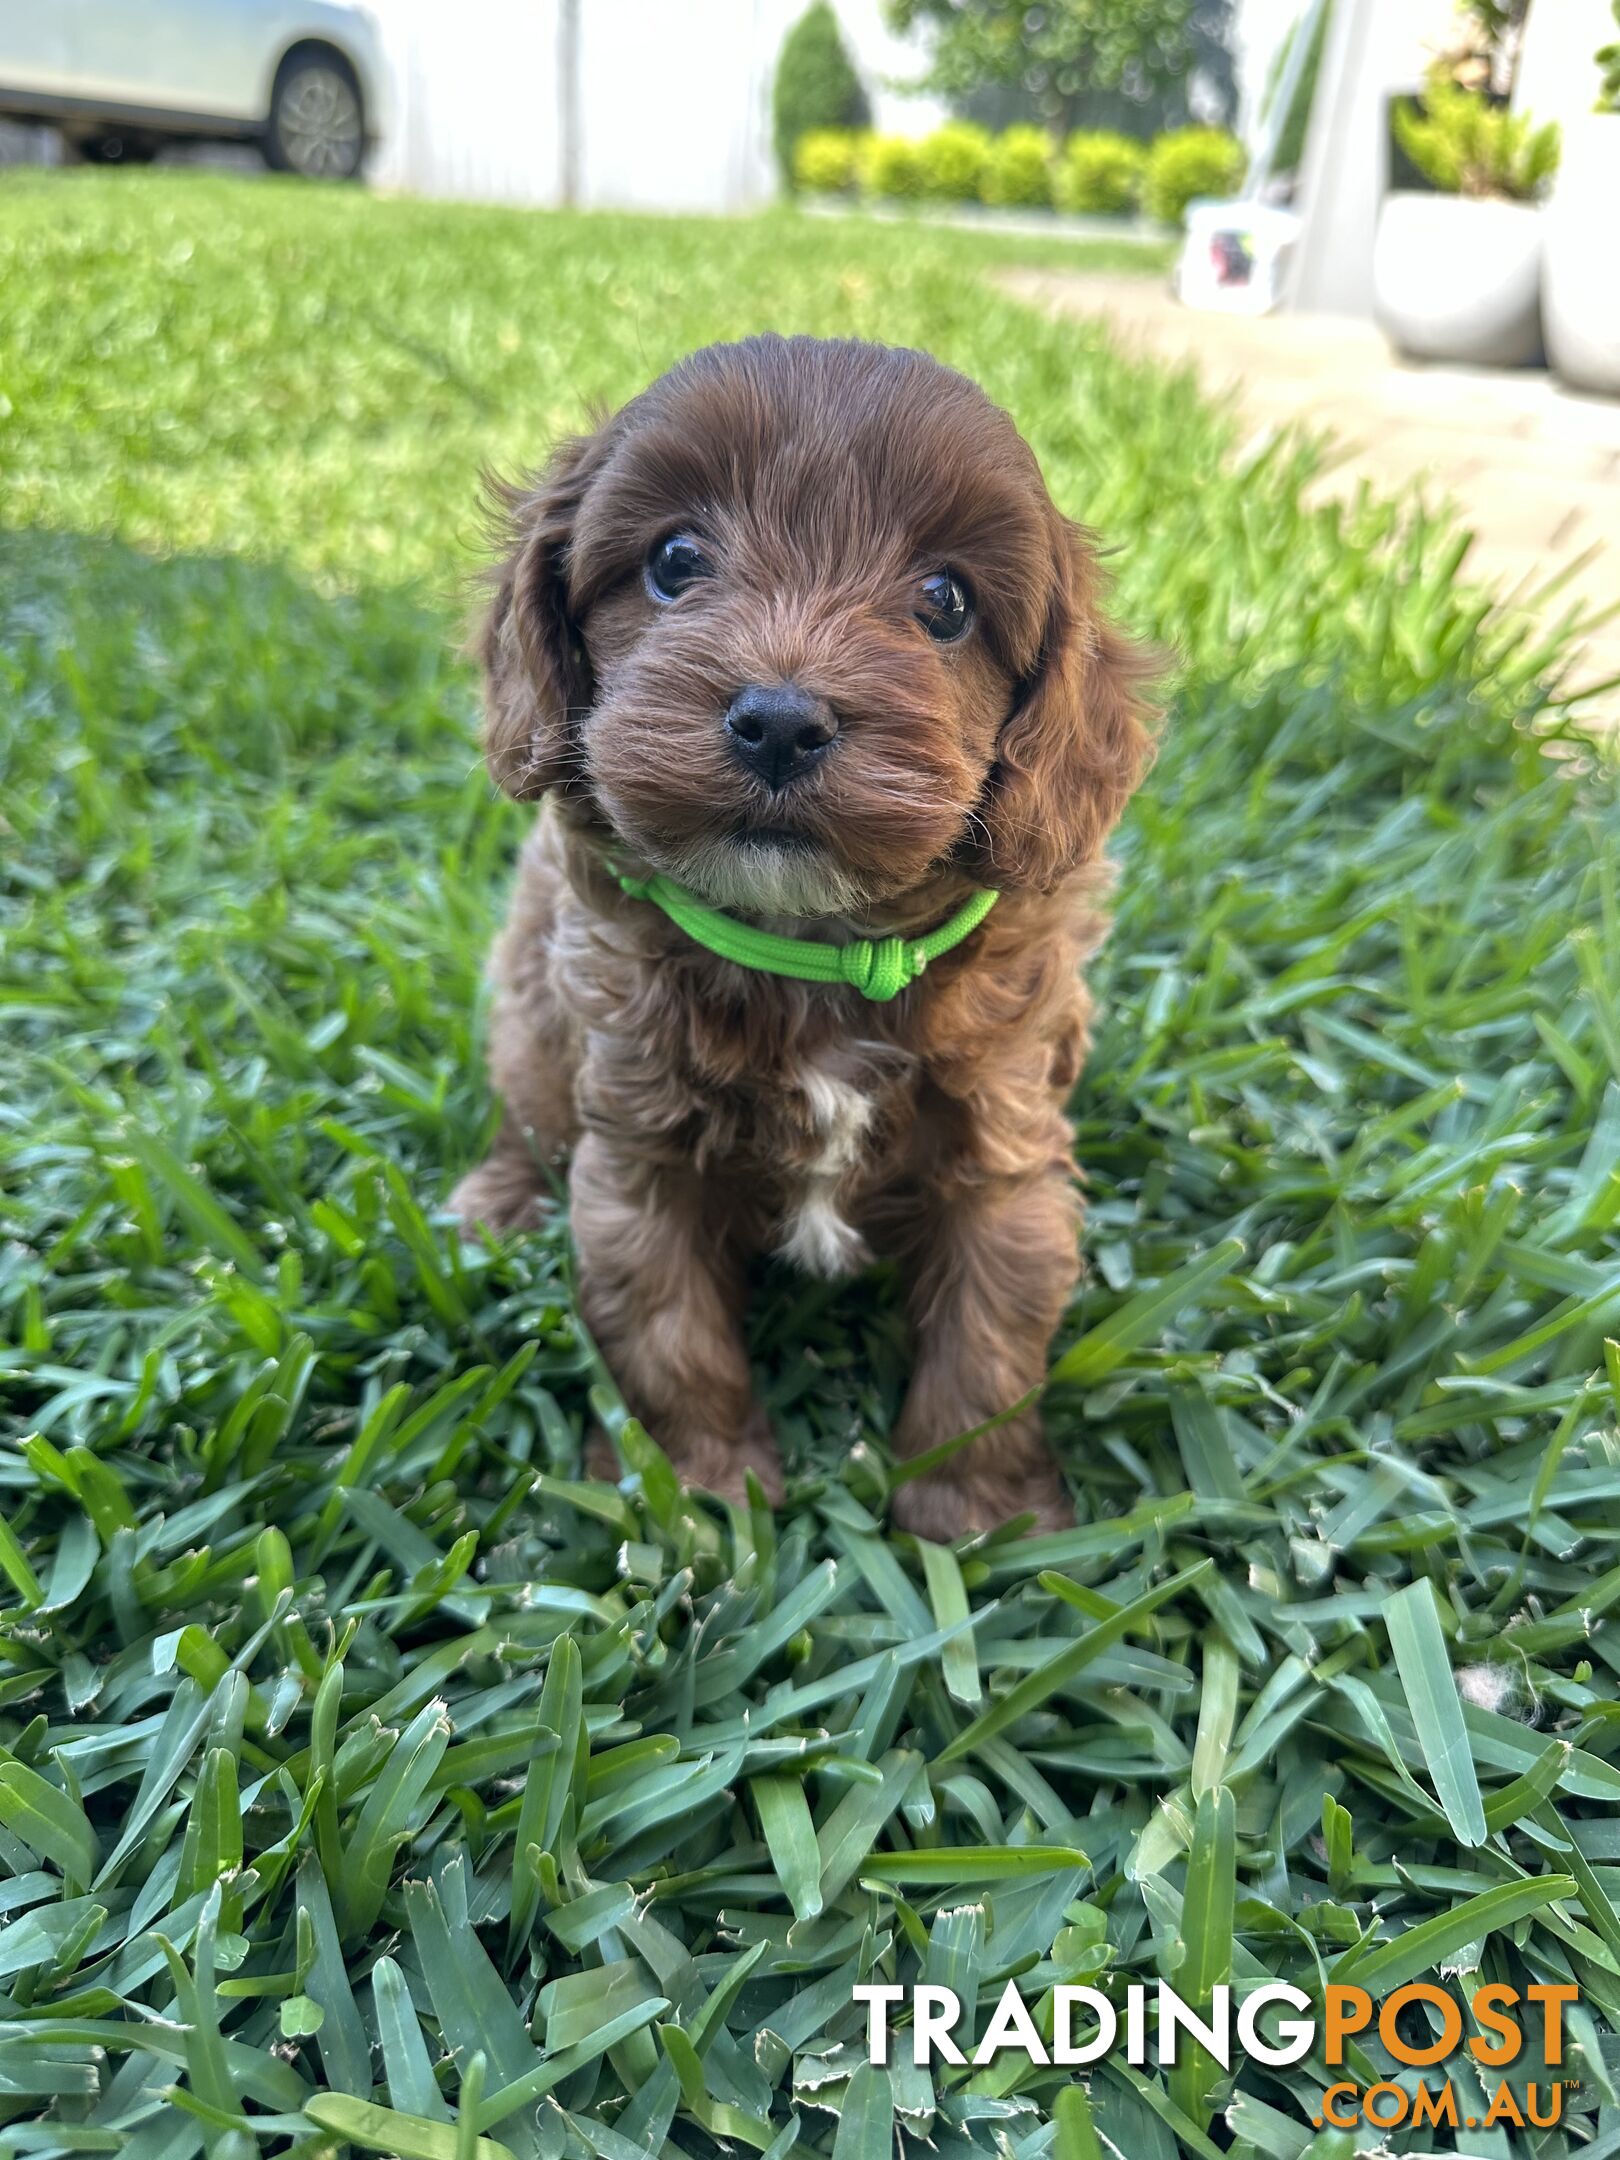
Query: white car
(304, 79)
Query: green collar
(879, 968)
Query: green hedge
(1100, 172)
(826, 160)
(954, 160)
(891, 166)
(1095, 171)
(1189, 163)
(1019, 174)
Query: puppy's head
(801, 627)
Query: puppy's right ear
(537, 673)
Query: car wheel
(112, 149)
(316, 128)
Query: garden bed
(360, 1758)
(1135, 233)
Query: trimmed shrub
(1019, 168)
(1188, 163)
(826, 160)
(953, 160)
(1099, 171)
(891, 165)
(816, 86)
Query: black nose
(778, 730)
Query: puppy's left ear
(1077, 741)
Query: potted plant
(1582, 293)
(1457, 273)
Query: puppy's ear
(1077, 741)
(537, 673)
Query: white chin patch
(767, 877)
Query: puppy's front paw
(501, 1195)
(722, 1467)
(707, 1463)
(957, 1503)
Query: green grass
(355, 1757)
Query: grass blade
(1415, 1636)
(1144, 1316)
(407, 2137)
(1066, 1664)
(1420, 1949)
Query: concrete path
(1534, 469)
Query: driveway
(1534, 469)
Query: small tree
(816, 84)
(1060, 55)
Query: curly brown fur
(708, 1113)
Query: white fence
(475, 95)
(670, 107)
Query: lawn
(370, 1784)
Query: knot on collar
(880, 968)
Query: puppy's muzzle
(779, 732)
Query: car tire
(110, 148)
(316, 126)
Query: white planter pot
(1582, 285)
(1455, 279)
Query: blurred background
(1350, 1124)
(611, 103)
(1362, 184)
(1400, 210)
(634, 104)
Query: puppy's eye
(674, 564)
(944, 608)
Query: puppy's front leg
(664, 1299)
(996, 1271)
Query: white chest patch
(815, 1235)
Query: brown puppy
(801, 628)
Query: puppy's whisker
(976, 824)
